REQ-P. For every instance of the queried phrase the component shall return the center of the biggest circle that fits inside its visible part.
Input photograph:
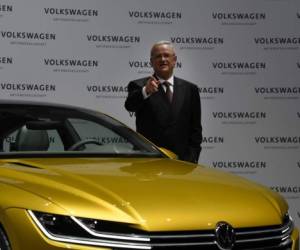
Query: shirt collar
(170, 80)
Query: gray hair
(163, 42)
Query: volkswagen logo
(225, 235)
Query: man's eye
(163, 56)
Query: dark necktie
(169, 93)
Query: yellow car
(72, 178)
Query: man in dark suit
(167, 108)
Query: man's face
(163, 60)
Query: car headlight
(89, 231)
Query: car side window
(56, 143)
(15, 142)
(109, 141)
(71, 135)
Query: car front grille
(267, 238)
(259, 238)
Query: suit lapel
(178, 96)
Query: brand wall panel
(243, 55)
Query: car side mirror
(169, 153)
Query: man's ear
(174, 61)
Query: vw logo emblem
(225, 235)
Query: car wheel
(4, 243)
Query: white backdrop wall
(243, 55)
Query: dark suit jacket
(175, 126)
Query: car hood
(157, 194)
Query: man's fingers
(152, 85)
(154, 81)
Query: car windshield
(29, 130)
